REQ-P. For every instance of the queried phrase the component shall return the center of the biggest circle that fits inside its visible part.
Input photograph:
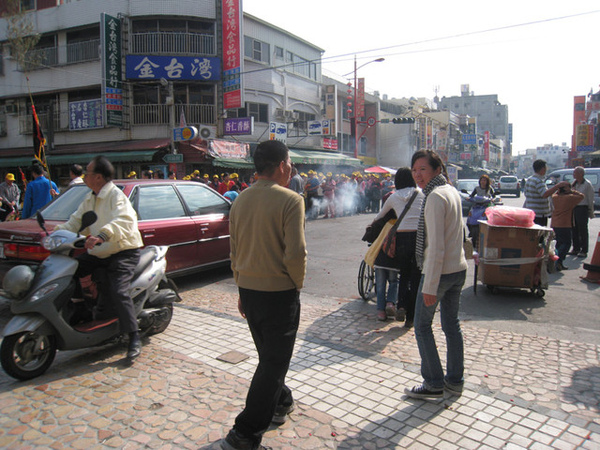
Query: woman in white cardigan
(440, 236)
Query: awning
(116, 151)
(232, 163)
(16, 161)
(79, 158)
(322, 158)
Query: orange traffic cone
(593, 275)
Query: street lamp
(355, 97)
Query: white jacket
(116, 223)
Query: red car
(189, 217)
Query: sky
(534, 55)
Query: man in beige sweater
(268, 259)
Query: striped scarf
(436, 181)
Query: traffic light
(403, 120)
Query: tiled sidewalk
(348, 373)
(522, 391)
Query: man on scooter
(113, 243)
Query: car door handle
(149, 233)
(204, 227)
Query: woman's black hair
(404, 178)
(433, 159)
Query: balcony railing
(41, 58)
(173, 43)
(161, 114)
(83, 51)
(26, 123)
(76, 52)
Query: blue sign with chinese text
(238, 125)
(149, 67)
(469, 139)
(85, 115)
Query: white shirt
(398, 201)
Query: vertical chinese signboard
(360, 99)
(112, 76)
(331, 107)
(232, 54)
(585, 138)
(486, 146)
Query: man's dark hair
(76, 169)
(404, 178)
(37, 169)
(104, 167)
(268, 155)
(538, 165)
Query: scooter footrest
(94, 325)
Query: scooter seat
(94, 325)
(147, 255)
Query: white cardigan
(444, 239)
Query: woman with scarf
(439, 252)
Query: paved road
(569, 310)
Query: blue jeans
(448, 297)
(383, 277)
(563, 242)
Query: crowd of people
(326, 195)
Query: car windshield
(508, 180)
(466, 185)
(66, 203)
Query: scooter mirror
(88, 218)
(41, 222)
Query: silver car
(509, 184)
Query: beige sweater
(444, 243)
(268, 247)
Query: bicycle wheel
(366, 280)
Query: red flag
(23, 177)
(38, 139)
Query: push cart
(513, 257)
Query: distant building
(490, 114)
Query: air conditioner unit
(279, 113)
(291, 115)
(11, 108)
(207, 132)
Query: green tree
(21, 35)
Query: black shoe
(135, 346)
(400, 314)
(408, 324)
(236, 441)
(573, 252)
(281, 413)
(423, 392)
(560, 266)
